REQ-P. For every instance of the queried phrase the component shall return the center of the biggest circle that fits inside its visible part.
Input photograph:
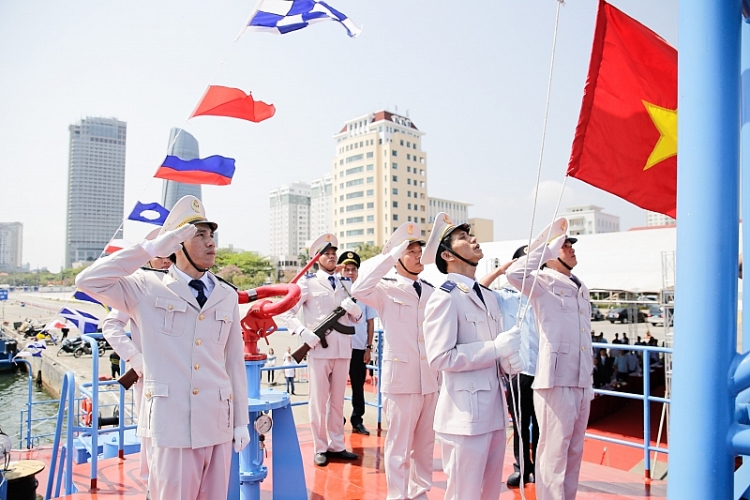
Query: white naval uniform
(409, 385)
(329, 367)
(471, 415)
(563, 385)
(193, 369)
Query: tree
(367, 251)
(243, 269)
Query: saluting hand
(169, 242)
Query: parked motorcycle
(70, 345)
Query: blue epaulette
(310, 275)
(427, 283)
(342, 278)
(388, 279)
(448, 286)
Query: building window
(341, 162)
(341, 198)
(408, 156)
(355, 232)
(395, 178)
(341, 222)
(408, 144)
(422, 220)
(355, 182)
(395, 204)
(395, 190)
(408, 168)
(369, 167)
(408, 219)
(402, 142)
(354, 170)
(414, 146)
(354, 158)
(370, 218)
(395, 217)
(370, 180)
(371, 205)
(408, 181)
(353, 220)
(341, 210)
(341, 233)
(395, 166)
(370, 230)
(341, 186)
(369, 154)
(394, 152)
(356, 194)
(422, 208)
(370, 192)
(352, 208)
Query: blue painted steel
(646, 415)
(701, 465)
(288, 471)
(94, 408)
(745, 140)
(29, 401)
(67, 391)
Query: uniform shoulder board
(164, 271)
(310, 275)
(427, 283)
(448, 286)
(225, 281)
(342, 278)
(388, 279)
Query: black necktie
(332, 280)
(418, 287)
(479, 292)
(199, 286)
(575, 280)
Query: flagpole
(701, 458)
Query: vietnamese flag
(227, 101)
(626, 138)
(216, 170)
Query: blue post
(29, 405)
(94, 409)
(701, 463)
(745, 134)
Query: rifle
(331, 322)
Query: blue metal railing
(646, 397)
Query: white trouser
(327, 388)
(409, 444)
(473, 464)
(145, 453)
(562, 413)
(190, 474)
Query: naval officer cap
(442, 228)
(408, 231)
(321, 242)
(187, 210)
(349, 258)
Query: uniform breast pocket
(566, 297)
(225, 413)
(473, 398)
(171, 313)
(394, 367)
(472, 332)
(558, 350)
(155, 394)
(404, 309)
(221, 327)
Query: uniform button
(231, 397)
(148, 394)
(395, 359)
(583, 330)
(200, 318)
(471, 387)
(422, 358)
(170, 307)
(421, 340)
(196, 366)
(583, 349)
(198, 342)
(421, 307)
(580, 312)
(195, 392)
(225, 318)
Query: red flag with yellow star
(626, 138)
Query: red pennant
(227, 101)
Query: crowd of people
(614, 366)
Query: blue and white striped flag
(86, 323)
(285, 16)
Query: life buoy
(86, 412)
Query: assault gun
(331, 322)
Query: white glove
(351, 307)
(508, 342)
(397, 251)
(169, 242)
(513, 365)
(556, 244)
(309, 338)
(241, 438)
(136, 363)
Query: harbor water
(14, 398)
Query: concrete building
(456, 210)
(657, 219)
(483, 229)
(184, 146)
(290, 223)
(11, 246)
(589, 219)
(321, 206)
(379, 178)
(96, 187)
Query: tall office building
(290, 222)
(321, 206)
(96, 187)
(379, 178)
(11, 245)
(184, 146)
(657, 219)
(458, 211)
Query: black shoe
(343, 455)
(360, 429)
(514, 480)
(321, 459)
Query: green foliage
(26, 278)
(367, 251)
(243, 269)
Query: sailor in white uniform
(195, 386)
(465, 342)
(563, 382)
(322, 292)
(408, 383)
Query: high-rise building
(657, 219)
(589, 219)
(458, 211)
(482, 229)
(321, 206)
(11, 245)
(184, 146)
(96, 187)
(379, 178)
(290, 222)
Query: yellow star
(665, 121)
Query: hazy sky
(472, 75)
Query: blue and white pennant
(284, 16)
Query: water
(13, 398)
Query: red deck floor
(362, 480)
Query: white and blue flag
(86, 323)
(285, 16)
